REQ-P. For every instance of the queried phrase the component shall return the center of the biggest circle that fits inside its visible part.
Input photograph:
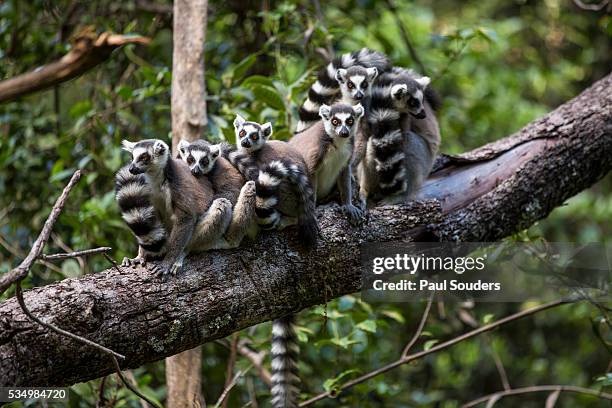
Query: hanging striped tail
(132, 194)
(285, 351)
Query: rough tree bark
(184, 370)
(483, 195)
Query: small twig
(75, 254)
(21, 271)
(231, 363)
(419, 330)
(539, 388)
(19, 295)
(501, 370)
(436, 348)
(254, 357)
(101, 398)
(231, 385)
(112, 261)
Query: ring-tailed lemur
(205, 160)
(283, 189)
(327, 148)
(326, 88)
(165, 193)
(284, 355)
(405, 137)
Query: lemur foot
(134, 262)
(249, 189)
(354, 213)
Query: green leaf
(344, 342)
(334, 383)
(243, 66)
(269, 96)
(392, 314)
(429, 344)
(257, 80)
(488, 318)
(367, 325)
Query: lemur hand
(138, 261)
(354, 213)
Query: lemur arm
(345, 187)
(182, 231)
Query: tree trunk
(483, 195)
(184, 370)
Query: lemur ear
(358, 110)
(159, 148)
(127, 145)
(424, 81)
(341, 75)
(215, 150)
(325, 112)
(397, 91)
(182, 146)
(372, 73)
(239, 121)
(266, 130)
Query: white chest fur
(161, 199)
(329, 170)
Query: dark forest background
(497, 64)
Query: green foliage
(497, 65)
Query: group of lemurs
(363, 119)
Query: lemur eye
(335, 122)
(413, 102)
(364, 84)
(190, 160)
(242, 133)
(350, 85)
(145, 157)
(254, 137)
(349, 121)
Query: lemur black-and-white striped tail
(267, 192)
(285, 351)
(241, 161)
(326, 89)
(132, 194)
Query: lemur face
(251, 136)
(408, 96)
(355, 83)
(200, 156)
(341, 120)
(148, 156)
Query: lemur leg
(361, 143)
(243, 215)
(212, 225)
(181, 235)
(345, 187)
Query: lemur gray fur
(205, 160)
(284, 191)
(405, 137)
(327, 148)
(169, 211)
(326, 88)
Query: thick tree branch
(88, 50)
(486, 194)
